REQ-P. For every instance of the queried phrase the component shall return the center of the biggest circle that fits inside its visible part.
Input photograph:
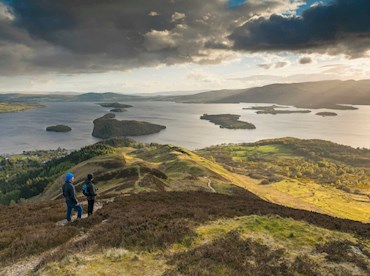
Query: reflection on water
(26, 130)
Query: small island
(6, 107)
(114, 105)
(271, 109)
(276, 112)
(326, 114)
(263, 108)
(329, 106)
(118, 110)
(59, 128)
(229, 121)
(107, 127)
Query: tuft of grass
(346, 251)
(286, 231)
(231, 255)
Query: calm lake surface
(26, 130)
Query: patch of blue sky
(309, 3)
(7, 2)
(236, 3)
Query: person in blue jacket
(70, 195)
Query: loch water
(26, 130)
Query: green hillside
(309, 174)
(172, 233)
(275, 207)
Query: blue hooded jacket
(69, 193)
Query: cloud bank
(340, 27)
(68, 36)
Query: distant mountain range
(322, 94)
(86, 97)
(309, 94)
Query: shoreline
(6, 107)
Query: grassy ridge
(306, 174)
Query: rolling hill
(228, 209)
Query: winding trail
(209, 184)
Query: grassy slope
(297, 192)
(188, 171)
(184, 169)
(156, 232)
(297, 239)
(15, 107)
(178, 233)
(314, 197)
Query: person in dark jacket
(91, 194)
(70, 195)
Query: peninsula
(229, 121)
(15, 107)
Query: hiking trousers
(90, 206)
(72, 206)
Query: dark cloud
(97, 35)
(305, 60)
(72, 36)
(343, 26)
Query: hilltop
(165, 210)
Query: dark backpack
(85, 189)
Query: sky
(146, 46)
